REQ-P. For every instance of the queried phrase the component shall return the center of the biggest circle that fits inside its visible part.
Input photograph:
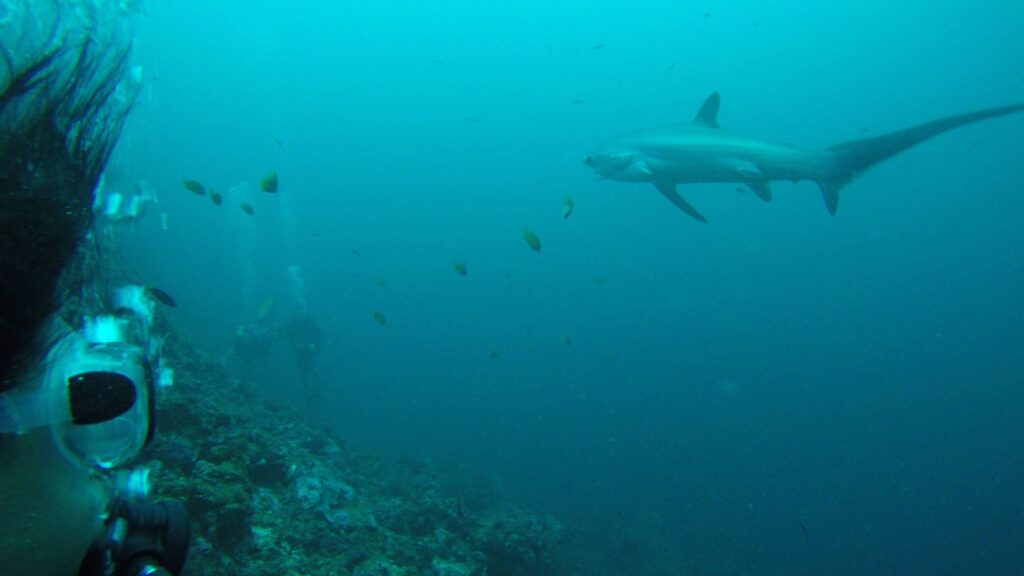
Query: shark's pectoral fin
(762, 188)
(668, 190)
(830, 192)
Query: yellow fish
(265, 308)
(567, 209)
(460, 268)
(247, 208)
(216, 198)
(193, 186)
(380, 318)
(269, 183)
(531, 239)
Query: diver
(80, 364)
(304, 335)
(253, 341)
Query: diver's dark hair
(64, 98)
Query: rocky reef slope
(269, 494)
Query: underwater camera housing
(96, 392)
(96, 387)
(102, 394)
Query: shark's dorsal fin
(708, 114)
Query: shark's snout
(614, 164)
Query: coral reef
(269, 494)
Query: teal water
(779, 391)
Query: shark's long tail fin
(851, 159)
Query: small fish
(265, 308)
(380, 318)
(741, 189)
(597, 46)
(566, 340)
(356, 252)
(531, 239)
(601, 281)
(493, 355)
(161, 296)
(269, 183)
(578, 101)
(193, 186)
(216, 198)
(460, 268)
(379, 280)
(279, 143)
(247, 208)
(567, 209)
(672, 66)
(803, 529)
(473, 120)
